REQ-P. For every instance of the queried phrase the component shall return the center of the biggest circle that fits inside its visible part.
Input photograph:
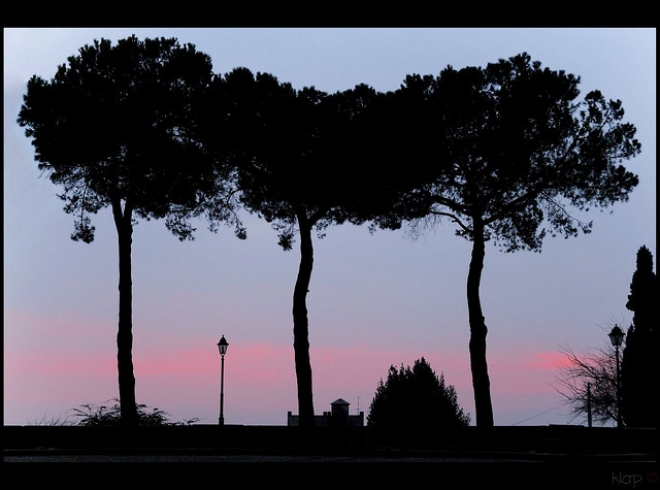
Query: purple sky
(375, 300)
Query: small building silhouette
(338, 416)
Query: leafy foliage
(416, 397)
(91, 415)
(513, 149)
(115, 125)
(325, 158)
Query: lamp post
(616, 337)
(222, 347)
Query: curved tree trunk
(478, 332)
(127, 404)
(300, 325)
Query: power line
(537, 415)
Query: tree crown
(513, 148)
(310, 159)
(116, 124)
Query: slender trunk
(127, 404)
(300, 325)
(478, 332)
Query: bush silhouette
(416, 397)
(91, 415)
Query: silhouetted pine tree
(116, 127)
(640, 381)
(509, 150)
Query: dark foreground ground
(570, 456)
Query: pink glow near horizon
(173, 373)
(259, 378)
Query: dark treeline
(147, 129)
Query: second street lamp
(616, 337)
(222, 347)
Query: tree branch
(454, 218)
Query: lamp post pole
(222, 347)
(589, 424)
(616, 337)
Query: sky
(375, 300)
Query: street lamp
(616, 337)
(222, 347)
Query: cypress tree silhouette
(640, 381)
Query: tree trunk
(127, 404)
(478, 332)
(300, 325)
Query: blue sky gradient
(375, 300)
